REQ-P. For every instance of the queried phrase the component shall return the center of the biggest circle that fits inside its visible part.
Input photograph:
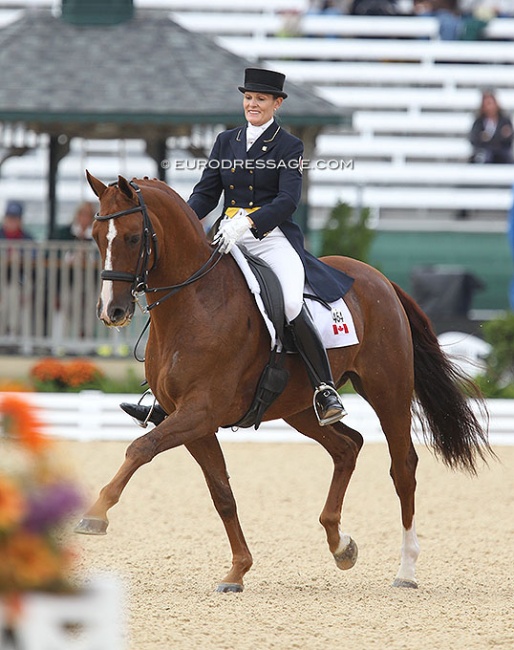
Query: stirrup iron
(143, 424)
(324, 421)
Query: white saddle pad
(335, 325)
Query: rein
(140, 278)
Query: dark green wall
(485, 255)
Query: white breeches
(285, 262)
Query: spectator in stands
(328, 7)
(12, 296)
(81, 226)
(491, 133)
(423, 8)
(331, 7)
(450, 20)
(12, 224)
(76, 272)
(373, 8)
(488, 9)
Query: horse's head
(127, 243)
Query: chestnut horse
(208, 345)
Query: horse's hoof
(408, 584)
(229, 587)
(92, 526)
(347, 556)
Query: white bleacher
(273, 24)
(369, 49)
(405, 123)
(390, 148)
(414, 198)
(264, 23)
(415, 173)
(179, 5)
(442, 75)
(412, 99)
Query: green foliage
(348, 233)
(498, 380)
(499, 333)
(492, 389)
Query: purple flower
(50, 505)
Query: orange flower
(12, 504)
(79, 372)
(31, 561)
(48, 369)
(21, 421)
(13, 386)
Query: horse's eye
(134, 239)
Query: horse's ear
(97, 186)
(125, 187)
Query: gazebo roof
(144, 76)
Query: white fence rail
(48, 296)
(93, 415)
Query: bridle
(139, 279)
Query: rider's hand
(231, 230)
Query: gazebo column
(58, 148)
(158, 151)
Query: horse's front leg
(178, 429)
(207, 452)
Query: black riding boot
(144, 414)
(327, 403)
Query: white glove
(231, 230)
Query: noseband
(139, 279)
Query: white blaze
(106, 293)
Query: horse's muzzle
(116, 315)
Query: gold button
(233, 169)
(232, 202)
(251, 203)
(250, 187)
(251, 171)
(230, 187)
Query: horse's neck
(182, 249)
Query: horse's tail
(447, 421)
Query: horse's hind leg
(207, 452)
(343, 444)
(395, 418)
(404, 461)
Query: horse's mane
(161, 186)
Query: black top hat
(263, 81)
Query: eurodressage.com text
(252, 164)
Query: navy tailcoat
(268, 176)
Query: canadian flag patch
(338, 325)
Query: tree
(348, 233)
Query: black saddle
(274, 377)
(271, 291)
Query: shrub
(498, 379)
(348, 233)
